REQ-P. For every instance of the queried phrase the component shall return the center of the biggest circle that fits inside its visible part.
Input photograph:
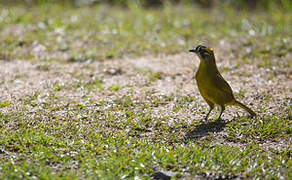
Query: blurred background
(86, 30)
(264, 4)
(152, 3)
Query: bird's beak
(194, 50)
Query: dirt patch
(176, 76)
(264, 90)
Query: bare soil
(267, 91)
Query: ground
(67, 114)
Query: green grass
(44, 135)
(124, 141)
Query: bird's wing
(222, 84)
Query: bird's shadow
(205, 129)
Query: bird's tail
(251, 112)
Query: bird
(214, 89)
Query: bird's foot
(251, 116)
(206, 120)
(219, 120)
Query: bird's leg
(222, 109)
(211, 105)
(206, 118)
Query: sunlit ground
(109, 92)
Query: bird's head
(204, 53)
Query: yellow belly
(210, 90)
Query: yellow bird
(212, 86)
